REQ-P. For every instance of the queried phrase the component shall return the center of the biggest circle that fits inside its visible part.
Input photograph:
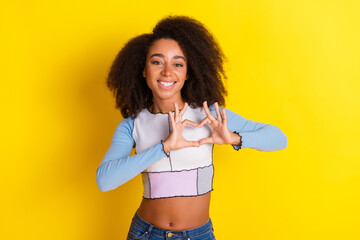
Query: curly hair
(205, 66)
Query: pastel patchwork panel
(150, 129)
(167, 184)
(174, 184)
(205, 175)
(146, 183)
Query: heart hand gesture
(175, 140)
(221, 133)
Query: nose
(167, 71)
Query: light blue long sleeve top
(118, 167)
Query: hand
(175, 140)
(221, 133)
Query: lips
(166, 84)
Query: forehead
(166, 47)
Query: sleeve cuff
(237, 147)
(167, 154)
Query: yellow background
(293, 64)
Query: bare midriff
(177, 213)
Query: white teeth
(166, 84)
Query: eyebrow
(162, 55)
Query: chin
(166, 96)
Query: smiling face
(165, 70)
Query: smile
(166, 84)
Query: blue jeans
(140, 229)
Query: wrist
(236, 139)
(166, 147)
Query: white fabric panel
(150, 129)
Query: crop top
(182, 172)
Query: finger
(208, 113)
(218, 115)
(204, 121)
(206, 141)
(192, 144)
(188, 122)
(172, 120)
(225, 119)
(176, 112)
(182, 112)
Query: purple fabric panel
(170, 184)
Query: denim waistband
(165, 233)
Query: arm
(227, 125)
(117, 166)
(257, 135)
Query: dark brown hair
(205, 66)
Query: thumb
(206, 140)
(192, 144)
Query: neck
(166, 105)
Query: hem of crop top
(197, 195)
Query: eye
(178, 65)
(156, 62)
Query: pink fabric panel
(170, 184)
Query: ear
(143, 73)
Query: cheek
(152, 71)
(181, 73)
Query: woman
(168, 86)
